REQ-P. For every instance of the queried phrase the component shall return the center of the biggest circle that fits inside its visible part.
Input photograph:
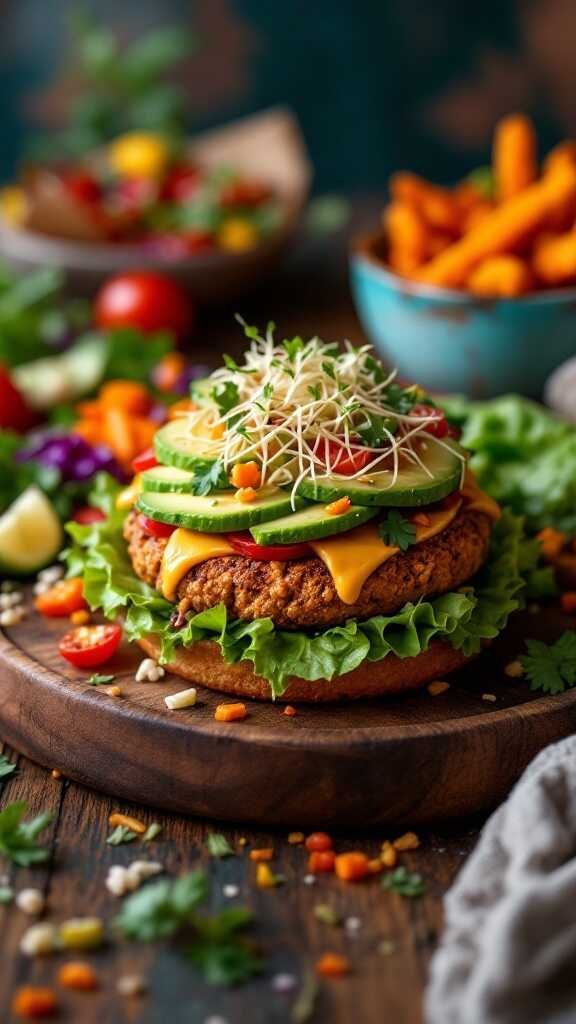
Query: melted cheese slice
(185, 549)
(129, 496)
(352, 557)
(477, 500)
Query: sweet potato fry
(514, 156)
(554, 259)
(504, 230)
(562, 154)
(477, 214)
(436, 205)
(502, 277)
(407, 235)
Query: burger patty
(301, 593)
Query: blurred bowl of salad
(217, 212)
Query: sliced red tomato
(62, 599)
(245, 545)
(89, 646)
(438, 426)
(88, 514)
(146, 460)
(341, 461)
(154, 528)
(83, 186)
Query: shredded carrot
(79, 975)
(246, 495)
(333, 965)
(230, 712)
(408, 841)
(35, 1002)
(245, 474)
(126, 821)
(351, 867)
(321, 862)
(127, 395)
(289, 711)
(338, 507)
(265, 853)
(568, 602)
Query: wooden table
(387, 981)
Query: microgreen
(121, 835)
(406, 883)
(152, 832)
(397, 531)
(96, 679)
(293, 347)
(551, 667)
(18, 837)
(225, 396)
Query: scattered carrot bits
(246, 495)
(79, 975)
(388, 855)
(30, 1001)
(514, 669)
(245, 474)
(126, 821)
(318, 841)
(408, 841)
(80, 618)
(289, 711)
(265, 877)
(321, 862)
(338, 507)
(263, 854)
(62, 599)
(352, 867)
(230, 712)
(333, 965)
(294, 838)
(551, 542)
(568, 602)
(56, 773)
(375, 866)
(438, 687)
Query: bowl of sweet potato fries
(473, 288)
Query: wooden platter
(401, 760)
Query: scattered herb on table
(18, 837)
(327, 915)
(6, 767)
(218, 845)
(151, 832)
(221, 954)
(551, 667)
(305, 1005)
(6, 894)
(121, 835)
(406, 883)
(96, 679)
(397, 531)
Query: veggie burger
(305, 528)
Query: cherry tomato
(89, 646)
(245, 545)
(134, 194)
(154, 528)
(438, 426)
(15, 413)
(83, 186)
(318, 841)
(63, 598)
(321, 862)
(146, 460)
(340, 460)
(88, 514)
(145, 300)
(182, 182)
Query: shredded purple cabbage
(71, 455)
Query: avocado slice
(220, 512)
(167, 478)
(176, 446)
(310, 523)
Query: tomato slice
(438, 427)
(245, 545)
(89, 646)
(62, 599)
(146, 460)
(154, 528)
(341, 461)
(88, 514)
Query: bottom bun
(203, 663)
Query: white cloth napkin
(508, 952)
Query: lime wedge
(30, 533)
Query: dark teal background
(377, 84)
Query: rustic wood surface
(310, 296)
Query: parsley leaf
(18, 837)
(406, 883)
(98, 680)
(6, 767)
(373, 430)
(208, 477)
(151, 832)
(6, 894)
(158, 911)
(225, 396)
(222, 956)
(218, 845)
(397, 531)
(120, 835)
(401, 399)
(551, 667)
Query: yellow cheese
(130, 494)
(352, 557)
(478, 500)
(187, 548)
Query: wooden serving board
(401, 760)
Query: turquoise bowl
(451, 341)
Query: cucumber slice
(167, 478)
(200, 391)
(310, 524)
(413, 485)
(176, 446)
(217, 513)
(30, 534)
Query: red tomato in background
(15, 413)
(146, 460)
(89, 646)
(245, 545)
(83, 186)
(438, 427)
(182, 183)
(88, 514)
(145, 300)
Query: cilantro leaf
(208, 477)
(218, 845)
(18, 837)
(397, 531)
(99, 680)
(225, 396)
(376, 429)
(222, 956)
(551, 667)
(406, 883)
(6, 767)
(121, 835)
(160, 910)
(401, 399)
